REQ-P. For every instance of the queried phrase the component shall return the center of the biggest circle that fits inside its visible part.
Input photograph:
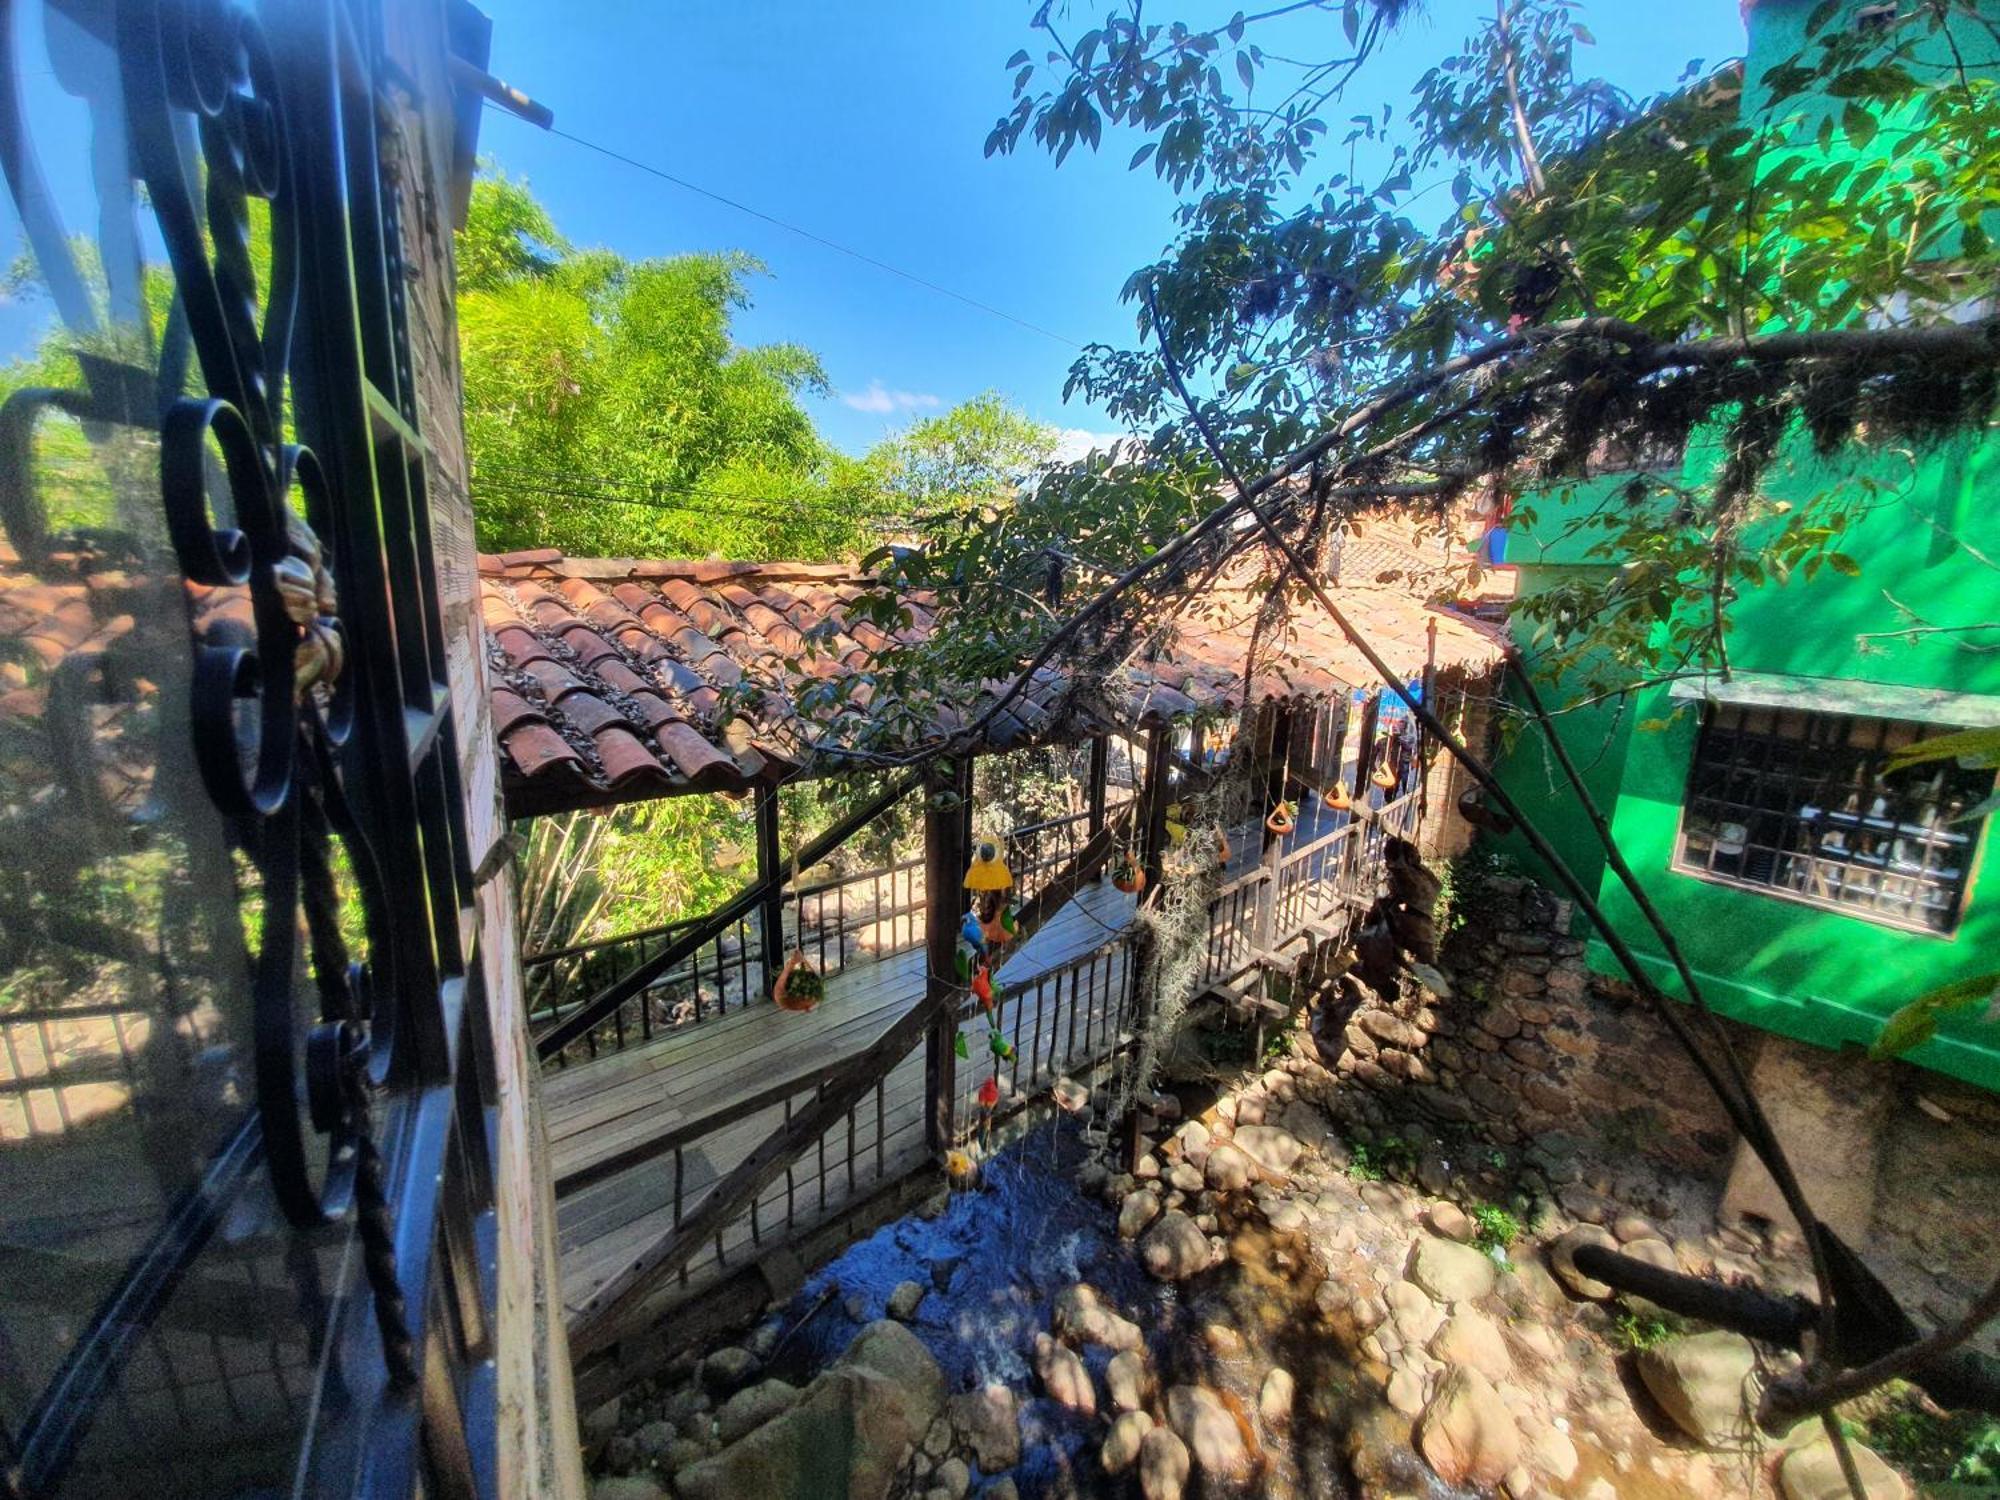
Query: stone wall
(1567, 1078)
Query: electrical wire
(805, 234)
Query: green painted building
(1812, 891)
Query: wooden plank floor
(600, 1108)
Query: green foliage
(1635, 1330)
(1388, 1156)
(1576, 304)
(1494, 1227)
(1916, 1021)
(610, 412)
(1931, 1446)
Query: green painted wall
(1925, 528)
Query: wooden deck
(664, 1089)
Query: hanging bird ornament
(989, 870)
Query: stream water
(994, 1260)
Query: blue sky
(865, 124)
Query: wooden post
(1153, 806)
(1100, 779)
(770, 874)
(1424, 747)
(947, 805)
(1364, 762)
(1277, 762)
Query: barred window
(1802, 805)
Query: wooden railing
(1036, 851)
(871, 913)
(1060, 1023)
(723, 973)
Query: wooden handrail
(597, 1324)
(639, 976)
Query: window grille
(1804, 806)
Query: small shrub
(1930, 1445)
(1361, 1163)
(1495, 1228)
(1642, 1330)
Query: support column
(770, 873)
(1153, 806)
(1100, 780)
(947, 812)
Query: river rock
(1467, 1434)
(1229, 1168)
(849, 1432)
(1406, 1391)
(1125, 1381)
(905, 1300)
(1273, 1148)
(1562, 1262)
(627, 1487)
(953, 1478)
(988, 1421)
(726, 1369)
(1414, 1316)
(1122, 1444)
(652, 1441)
(1137, 1211)
(1472, 1338)
(1163, 1465)
(753, 1406)
(1191, 1141)
(1812, 1472)
(1210, 1432)
(1451, 1272)
(1080, 1316)
(1275, 1397)
(1064, 1376)
(1448, 1221)
(1174, 1248)
(1704, 1383)
(1551, 1451)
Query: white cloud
(878, 398)
(1073, 443)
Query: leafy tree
(610, 412)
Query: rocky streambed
(1251, 1311)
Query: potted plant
(800, 986)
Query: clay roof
(618, 680)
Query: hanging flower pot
(1222, 849)
(799, 987)
(1283, 820)
(1337, 799)
(960, 1169)
(1384, 778)
(1128, 875)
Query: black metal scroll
(270, 367)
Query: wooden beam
(771, 875)
(947, 813)
(1100, 780)
(597, 1325)
(639, 976)
(1153, 795)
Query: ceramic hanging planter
(1128, 875)
(800, 986)
(1282, 820)
(1337, 799)
(1222, 850)
(1384, 778)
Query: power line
(739, 506)
(648, 492)
(807, 234)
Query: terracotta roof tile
(614, 669)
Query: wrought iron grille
(1804, 806)
(245, 1192)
